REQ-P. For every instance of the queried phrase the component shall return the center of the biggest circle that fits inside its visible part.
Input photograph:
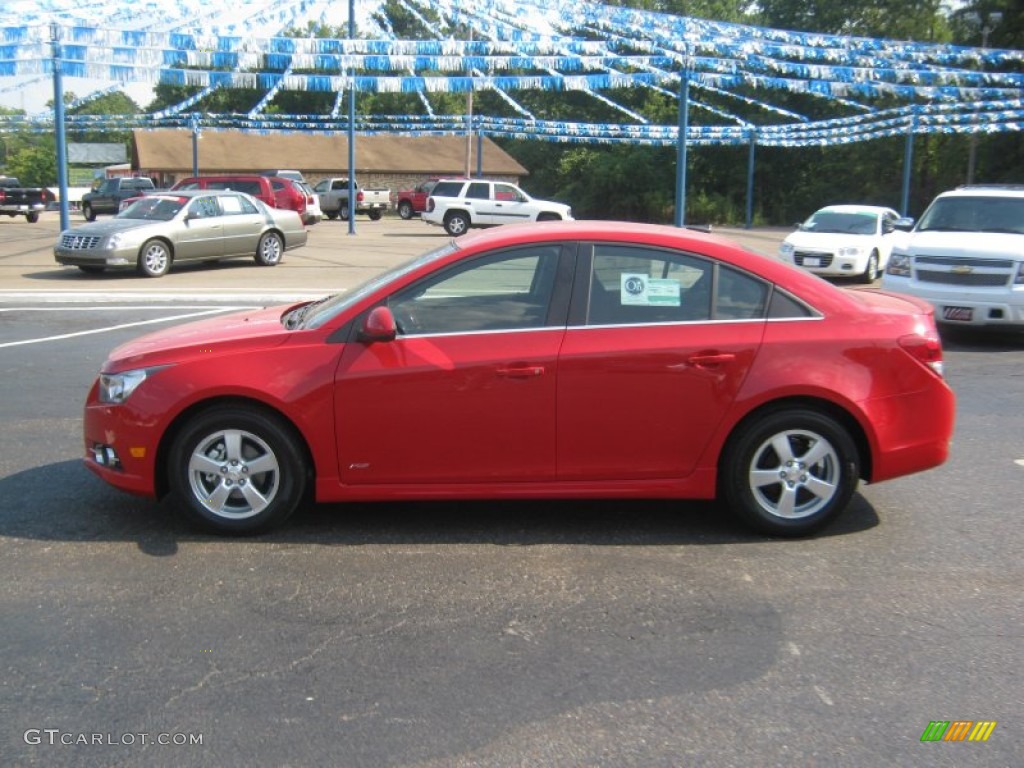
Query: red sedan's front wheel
(237, 471)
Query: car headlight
(115, 240)
(849, 250)
(899, 264)
(1019, 280)
(786, 250)
(115, 388)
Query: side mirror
(905, 224)
(379, 325)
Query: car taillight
(925, 348)
(430, 204)
(3, 195)
(359, 196)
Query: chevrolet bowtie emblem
(962, 269)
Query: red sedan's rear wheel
(790, 472)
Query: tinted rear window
(447, 189)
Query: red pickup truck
(413, 201)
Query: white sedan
(844, 241)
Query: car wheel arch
(180, 420)
(854, 427)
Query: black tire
(88, 212)
(343, 212)
(91, 269)
(456, 223)
(375, 214)
(270, 250)
(548, 217)
(405, 210)
(256, 476)
(793, 494)
(154, 258)
(32, 217)
(332, 215)
(870, 273)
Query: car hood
(251, 329)
(802, 239)
(112, 226)
(968, 244)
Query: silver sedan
(177, 227)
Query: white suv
(458, 204)
(966, 256)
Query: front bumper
(965, 307)
(96, 257)
(118, 447)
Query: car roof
(856, 208)
(201, 193)
(987, 190)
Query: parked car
(844, 241)
(333, 193)
(571, 360)
(107, 197)
(16, 200)
(276, 191)
(458, 204)
(966, 257)
(410, 202)
(158, 231)
(293, 175)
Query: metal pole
(58, 124)
(908, 162)
(352, 126)
(750, 179)
(480, 154)
(195, 145)
(684, 117)
(469, 113)
(972, 152)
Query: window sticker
(641, 290)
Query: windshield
(155, 208)
(974, 214)
(845, 223)
(316, 314)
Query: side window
(507, 192)
(478, 190)
(447, 189)
(233, 205)
(632, 285)
(189, 185)
(204, 207)
(502, 291)
(739, 296)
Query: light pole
(195, 144)
(988, 22)
(58, 122)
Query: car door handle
(527, 372)
(711, 359)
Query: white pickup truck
(333, 194)
(458, 204)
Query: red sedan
(561, 360)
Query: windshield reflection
(326, 309)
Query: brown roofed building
(381, 160)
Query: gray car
(177, 227)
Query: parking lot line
(107, 329)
